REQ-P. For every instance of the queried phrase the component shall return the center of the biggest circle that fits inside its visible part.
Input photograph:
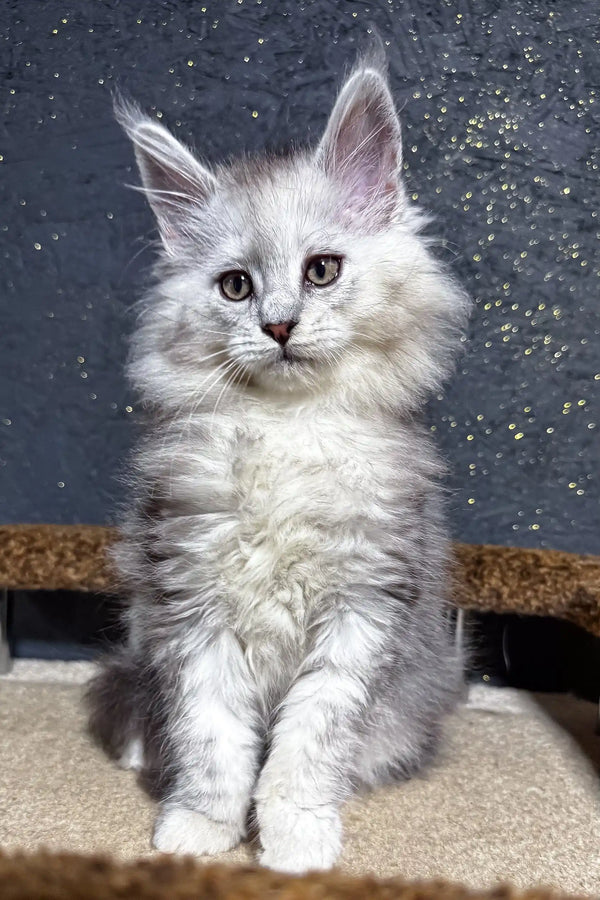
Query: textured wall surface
(501, 122)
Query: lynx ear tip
(125, 111)
(373, 56)
(368, 74)
(130, 116)
(123, 107)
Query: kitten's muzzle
(279, 331)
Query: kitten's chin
(287, 371)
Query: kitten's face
(291, 273)
(286, 280)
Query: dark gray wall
(500, 115)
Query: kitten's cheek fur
(296, 839)
(180, 830)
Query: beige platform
(514, 796)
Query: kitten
(286, 556)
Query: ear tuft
(362, 144)
(173, 179)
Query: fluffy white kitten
(285, 556)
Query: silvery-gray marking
(285, 555)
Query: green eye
(322, 270)
(235, 285)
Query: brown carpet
(514, 796)
(42, 875)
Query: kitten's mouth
(288, 361)
(292, 357)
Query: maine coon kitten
(286, 556)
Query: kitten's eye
(235, 285)
(322, 270)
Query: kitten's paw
(132, 756)
(180, 830)
(297, 840)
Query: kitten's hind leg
(112, 699)
(406, 724)
(395, 751)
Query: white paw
(132, 756)
(180, 830)
(298, 840)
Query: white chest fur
(299, 486)
(283, 510)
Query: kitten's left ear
(362, 147)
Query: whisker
(196, 361)
(238, 368)
(176, 422)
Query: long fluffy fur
(285, 553)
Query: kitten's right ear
(174, 181)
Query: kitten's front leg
(308, 772)
(214, 747)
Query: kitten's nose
(280, 331)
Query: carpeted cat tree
(487, 578)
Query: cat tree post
(5, 659)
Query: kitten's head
(294, 275)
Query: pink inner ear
(365, 158)
(371, 183)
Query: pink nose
(280, 331)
